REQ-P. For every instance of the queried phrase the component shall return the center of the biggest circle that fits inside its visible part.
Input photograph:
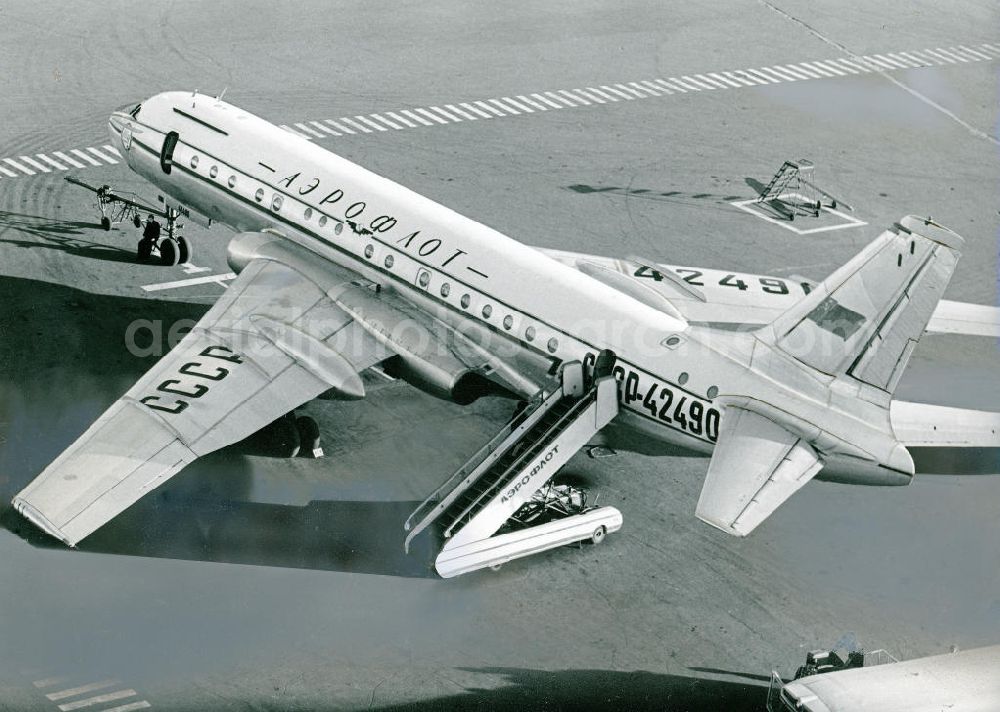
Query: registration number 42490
(675, 408)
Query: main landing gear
(170, 249)
(290, 436)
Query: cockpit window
(134, 113)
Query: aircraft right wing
(273, 341)
(756, 466)
(708, 296)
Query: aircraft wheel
(106, 223)
(169, 253)
(184, 250)
(136, 221)
(599, 534)
(309, 438)
(144, 250)
(285, 437)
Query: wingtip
(722, 526)
(22, 507)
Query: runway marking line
(81, 688)
(219, 279)
(848, 220)
(519, 104)
(97, 699)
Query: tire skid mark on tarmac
(35, 164)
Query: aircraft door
(167, 152)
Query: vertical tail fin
(864, 320)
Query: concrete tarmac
(250, 582)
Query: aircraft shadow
(63, 361)
(64, 347)
(59, 235)
(355, 537)
(596, 689)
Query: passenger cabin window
(167, 152)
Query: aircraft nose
(115, 127)
(116, 123)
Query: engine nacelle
(423, 357)
(246, 247)
(456, 383)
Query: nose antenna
(193, 95)
(219, 97)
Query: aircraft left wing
(756, 466)
(272, 342)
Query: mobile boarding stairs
(500, 506)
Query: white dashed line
(307, 130)
(487, 107)
(416, 118)
(396, 117)
(52, 162)
(323, 128)
(543, 102)
(82, 689)
(354, 125)
(18, 166)
(441, 112)
(84, 156)
(460, 112)
(63, 157)
(219, 279)
(532, 102)
(140, 705)
(549, 102)
(102, 156)
(390, 124)
(99, 699)
(338, 127)
(75, 697)
(35, 164)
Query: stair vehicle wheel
(496, 567)
(183, 250)
(169, 254)
(599, 535)
(309, 438)
(106, 223)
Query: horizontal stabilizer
(756, 466)
(968, 319)
(925, 425)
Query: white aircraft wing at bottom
(756, 466)
(272, 342)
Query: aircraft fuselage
(242, 171)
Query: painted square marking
(841, 220)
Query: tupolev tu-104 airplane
(340, 270)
